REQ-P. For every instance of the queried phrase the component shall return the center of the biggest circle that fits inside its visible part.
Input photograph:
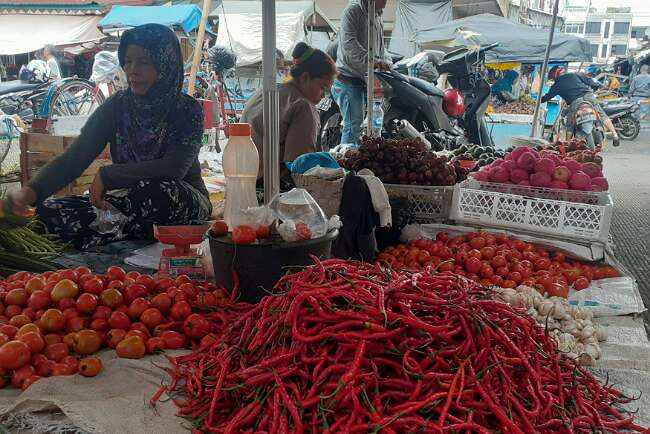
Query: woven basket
(327, 194)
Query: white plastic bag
(300, 215)
(257, 216)
(106, 67)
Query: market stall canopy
(517, 42)
(184, 17)
(26, 33)
(412, 15)
(240, 26)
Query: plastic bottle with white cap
(241, 164)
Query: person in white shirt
(49, 57)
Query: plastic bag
(106, 67)
(8, 127)
(302, 218)
(257, 216)
(109, 221)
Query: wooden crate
(36, 150)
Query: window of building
(638, 32)
(606, 32)
(603, 51)
(574, 28)
(592, 28)
(621, 28)
(619, 49)
(594, 50)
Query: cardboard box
(37, 149)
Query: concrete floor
(628, 170)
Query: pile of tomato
(51, 324)
(497, 260)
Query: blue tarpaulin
(186, 17)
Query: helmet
(593, 70)
(453, 103)
(555, 72)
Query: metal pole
(371, 64)
(533, 131)
(270, 157)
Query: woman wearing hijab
(311, 74)
(154, 131)
(503, 89)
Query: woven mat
(116, 401)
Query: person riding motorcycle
(571, 86)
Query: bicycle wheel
(75, 98)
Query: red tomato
(508, 284)
(87, 303)
(13, 310)
(139, 333)
(115, 336)
(164, 283)
(72, 362)
(53, 320)
(70, 275)
(14, 355)
(557, 290)
(146, 281)
(75, 324)
(119, 320)
(196, 326)
(446, 266)
(151, 317)
(115, 273)
(473, 265)
(486, 271)
(182, 279)
(99, 325)
(542, 264)
(138, 326)
(60, 369)
(162, 302)
(443, 237)
(474, 253)
(94, 286)
(219, 228)
(173, 340)
(515, 276)
(488, 253)
(34, 341)
(477, 242)
(134, 291)
(9, 330)
(44, 368)
(39, 300)
(67, 303)
(117, 284)
(243, 235)
(182, 309)
(559, 257)
(21, 374)
(503, 271)
(155, 345)
(263, 231)
(138, 306)
(581, 283)
(82, 271)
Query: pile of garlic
(572, 327)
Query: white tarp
(243, 34)
(26, 33)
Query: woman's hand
(21, 200)
(96, 191)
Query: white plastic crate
(559, 218)
(431, 204)
(590, 197)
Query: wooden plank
(37, 142)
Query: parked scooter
(582, 121)
(413, 107)
(625, 115)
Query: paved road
(628, 171)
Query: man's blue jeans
(351, 100)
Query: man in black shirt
(572, 86)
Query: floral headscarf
(143, 121)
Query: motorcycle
(625, 115)
(582, 121)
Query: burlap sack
(116, 401)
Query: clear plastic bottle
(241, 164)
(377, 118)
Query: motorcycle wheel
(628, 128)
(331, 127)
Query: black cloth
(356, 238)
(147, 203)
(571, 87)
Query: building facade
(608, 32)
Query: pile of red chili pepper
(351, 347)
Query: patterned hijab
(143, 121)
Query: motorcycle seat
(620, 107)
(16, 86)
(424, 86)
